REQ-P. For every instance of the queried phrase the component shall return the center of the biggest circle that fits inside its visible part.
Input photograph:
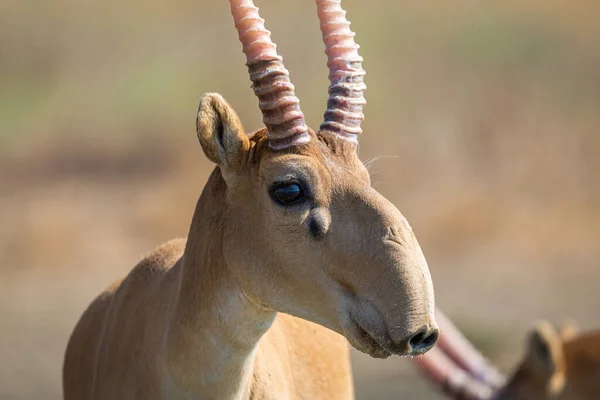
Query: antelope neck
(214, 334)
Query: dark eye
(288, 194)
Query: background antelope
(287, 223)
(561, 364)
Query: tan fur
(211, 317)
(558, 365)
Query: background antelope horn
(270, 80)
(346, 75)
(462, 352)
(451, 379)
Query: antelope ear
(568, 330)
(220, 131)
(545, 349)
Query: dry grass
(489, 111)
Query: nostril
(423, 341)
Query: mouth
(362, 340)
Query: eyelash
(303, 194)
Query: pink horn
(462, 352)
(346, 75)
(270, 80)
(453, 381)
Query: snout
(370, 332)
(378, 341)
(386, 291)
(422, 341)
(417, 343)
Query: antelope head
(304, 231)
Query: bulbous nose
(423, 341)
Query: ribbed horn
(462, 352)
(346, 75)
(448, 377)
(270, 80)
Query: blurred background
(483, 118)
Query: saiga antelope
(290, 250)
(558, 364)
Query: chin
(377, 353)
